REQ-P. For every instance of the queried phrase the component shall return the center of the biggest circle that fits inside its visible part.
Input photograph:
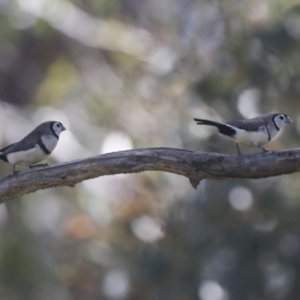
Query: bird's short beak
(63, 128)
(288, 120)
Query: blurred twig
(192, 164)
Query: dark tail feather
(3, 157)
(209, 123)
(223, 128)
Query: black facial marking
(43, 147)
(273, 119)
(52, 129)
(269, 134)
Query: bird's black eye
(58, 125)
(281, 118)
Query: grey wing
(248, 125)
(16, 147)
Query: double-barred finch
(34, 147)
(252, 132)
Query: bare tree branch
(192, 164)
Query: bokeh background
(124, 74)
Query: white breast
(274, 132)
(249, 138)
(50, 141)
(34, 155)
(28, 157)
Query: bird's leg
(15, 172)
(38, 166)
(237, 145)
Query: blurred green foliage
(124, 74)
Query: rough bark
(194, 165)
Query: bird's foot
(263, 150)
